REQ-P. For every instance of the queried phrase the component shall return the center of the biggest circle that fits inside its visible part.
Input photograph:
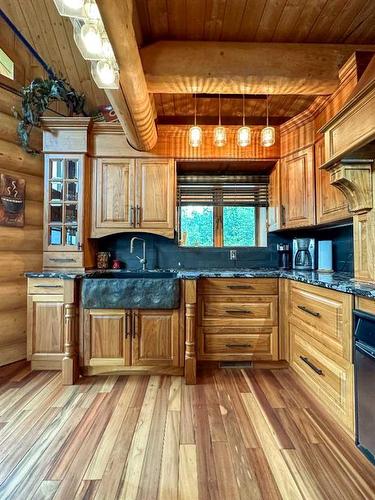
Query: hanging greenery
(36, 98)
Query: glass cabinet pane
(56, 213)
(57, 169)
(71, 214)
(55, 235)
(72, 169)
(71, 235)
(71, 192)
(56, 193)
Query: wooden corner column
(190, 331)
(70, 366)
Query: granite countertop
(342, 282)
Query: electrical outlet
(232, 254)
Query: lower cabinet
(131, 338)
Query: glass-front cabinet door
(63, 205)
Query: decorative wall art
(12, 201)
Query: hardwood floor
(236, 435)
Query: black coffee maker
(284, 255)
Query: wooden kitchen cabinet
(155, 339)
(331, 204)
(298, 189)
(274, 208)
(115, 339)
(133, 195)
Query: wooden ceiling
(324, 21)
(179, 108)
(52, 36)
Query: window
(217, 211)
(6, 65)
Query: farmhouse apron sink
(131, 290)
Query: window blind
(228, 190)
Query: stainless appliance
(304, 254)
(284, 255)
(364, 381)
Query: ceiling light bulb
(220, 136)
(92, 10)
(195, 136)
(91, 38)
(268, 137)
(74, 4)
(243, 136)
(106, 72)
(107, 48)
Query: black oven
(364, 364)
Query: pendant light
(220, 133)
(70, 8)
(243, 133)
(195, 132)
(268, 134)
(105, 74)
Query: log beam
(132, 102)
(238, 67)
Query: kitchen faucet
(142, 260)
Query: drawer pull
(237, 311)
(237, 345)
(61, 259)
(47, 286)
(128, 324)
(311, 365)
(240, 287)
(308, 311)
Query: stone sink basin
(131, 290)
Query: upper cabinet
(298, 189)
(274, 194)
(331, 204)
(133, 195)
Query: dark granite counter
(342, 282)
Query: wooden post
(70, 361)
(190, 332)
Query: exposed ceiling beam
(237, 67)
(117, 17)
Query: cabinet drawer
(45, 286)
(62, 260)
(330, 381)
(238, 286)
(326, 315)
(238, 343)
(239, 311)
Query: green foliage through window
(239, 227)
(197, 226)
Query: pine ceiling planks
(335, 21)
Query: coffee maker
(304, 254)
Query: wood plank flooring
(237, 434)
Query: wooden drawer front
(330, 381)
(62, 260)
(45, 286)
(238, 286)
(241, 311)
(216, 343)
(325, 315)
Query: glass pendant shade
(244, 136)
(220, 136)
(105, 74)
(91, 10)
(88, 38)
(71, 8)
(195, 136)
(268, 137)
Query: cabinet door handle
(240, 287)
(309, 311)
(61, 260)
(131, 216)
(237, 311)
(311, 365)
(237, 345)
(138, 216)
(283, 218)
(135, 324)
(47, 286)
(128, 324)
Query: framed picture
(12, 201)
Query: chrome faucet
(142, 260)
